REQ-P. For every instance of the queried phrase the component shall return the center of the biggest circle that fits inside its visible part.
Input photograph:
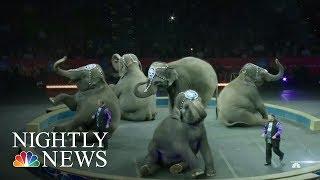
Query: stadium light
(172, 18)
(284, 79)
(61, 86)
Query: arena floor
(238, 152)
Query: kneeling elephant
(178, 139)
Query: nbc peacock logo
(26, 159)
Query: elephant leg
(260, 107)
(190, 158)
(151, 114)
(150, 165)
(263, 112)
(139, 115)
(246, 119)
(66, 99)
(152, 110)
(207, 155)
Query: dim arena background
(300, 72)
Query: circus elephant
(178, 139)
(178, 76)
(92, 87)
(132, 107)
(239, 103)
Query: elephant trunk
(71, 74)
(198, 113)
(271, 77)
(200, 109)
(151, 89)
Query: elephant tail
(216, 96)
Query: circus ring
(238, 152)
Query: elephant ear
(115, 61)
(171, 75)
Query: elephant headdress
(256, 75)
(160, 70)
(189, 100)
(95, 73)
(85, 77)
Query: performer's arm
(280, 129)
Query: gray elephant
(239, 103)
(178, 138)
(132, 107)
(92, 88)
(178, 76)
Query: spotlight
(284, 79)
(191, 49)
(172, 18)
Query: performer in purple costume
(272, 131)
(103, 119)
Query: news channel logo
(299, 164)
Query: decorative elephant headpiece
(85, 77)
(189, 108)
(161, 74)
(121, 64)
(257, 75)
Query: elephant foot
(210, 172)
(145, 170)
(196, 173)
(153, 116)
(176, 169)
(148, 169)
